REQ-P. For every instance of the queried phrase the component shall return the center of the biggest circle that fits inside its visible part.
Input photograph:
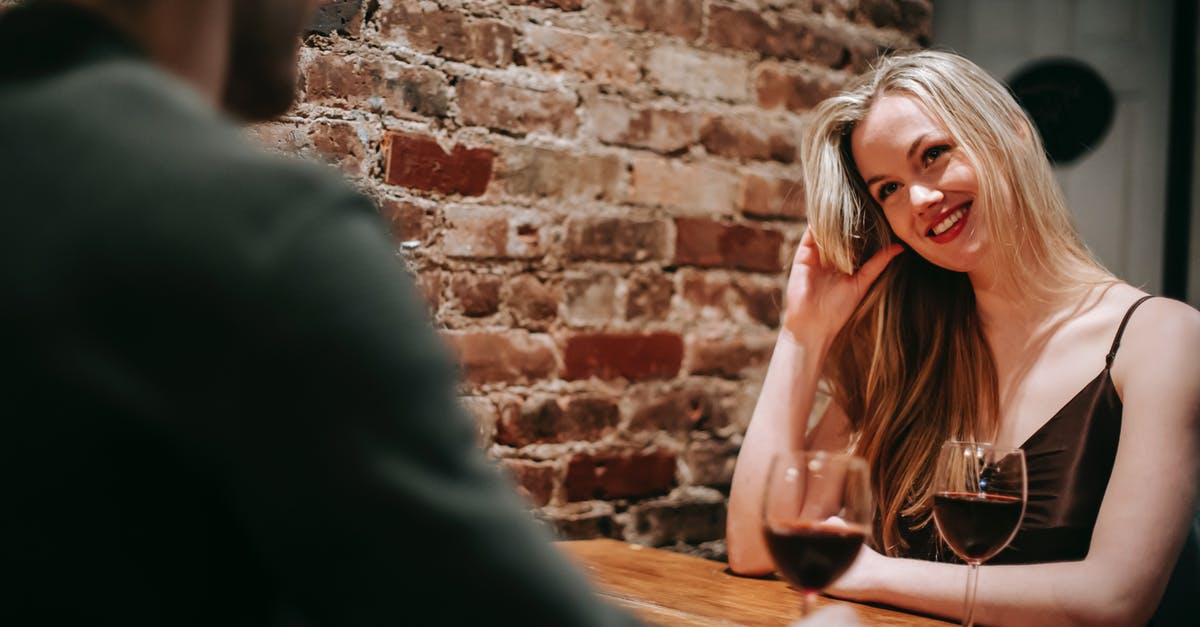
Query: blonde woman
(942, 292)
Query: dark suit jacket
(221, 401)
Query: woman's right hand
(820, 299)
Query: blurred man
(220, 399)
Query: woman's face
(925, 184)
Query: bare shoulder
(1159, 350)
(1164, 324)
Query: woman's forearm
(1052, 594)
(778, 424)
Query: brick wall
(599, 199)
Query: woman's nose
(922, 195)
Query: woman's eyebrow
(916, 142)
(911, 150)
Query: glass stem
(806, 599)
(969, 601)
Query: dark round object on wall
(1070, 103)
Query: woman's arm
(1143, 521)
(819, 301)
(778, 424)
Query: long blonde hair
(911, 367)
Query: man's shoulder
(125, 130)
(126, 170)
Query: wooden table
(666, 588)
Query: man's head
(241, 53)
(260, 82)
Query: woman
(941, 292)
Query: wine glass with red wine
(978, 503)
(817, 511)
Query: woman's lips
(950, 224)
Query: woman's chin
(963, 255)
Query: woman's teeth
(950, 221)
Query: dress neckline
(1104, 378)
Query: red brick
(340, 143)
(741, 29)
(548, 419)
(677, 411)
(743, 137)
(477, 295)
(795, 90)
(506, 358)
(449, 34)
(491, 233)
(710, 463)
(483, 411)
(814, 42)
(536, 171)
(634, 356)
(595, 416)
(682, 18)
(912, 17)
(534, 304)
(565, 5)
(477, 236)
(340, 16)
(408, 221)
(762, 303)
(619, 475)
(648, 296)
(844, 9)
(419, 162)
(711, 244)
(589, 299)
(615, 239)
(429, 284)
(336, 80)
(524, 421)
(595, 57)
(694, 187)
(721, 299)
(766, 196)
(660, 129)
(516, 109)
(284, 137)
(583, 521)
(535, 481)
(666, 522)
(699, 74)
(733, 358)
(711, 296)
(809, 40)
(864, 52)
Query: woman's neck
(1018, 324)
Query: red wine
(813, 555)
(976, 526)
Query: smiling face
(923, 180)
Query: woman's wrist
(864, 580)
(813, 343)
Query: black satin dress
(1068, 462)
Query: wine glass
(816, 513)
(978, 503)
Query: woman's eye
(933, 153)
(886, 190)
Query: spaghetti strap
(1112, 353)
